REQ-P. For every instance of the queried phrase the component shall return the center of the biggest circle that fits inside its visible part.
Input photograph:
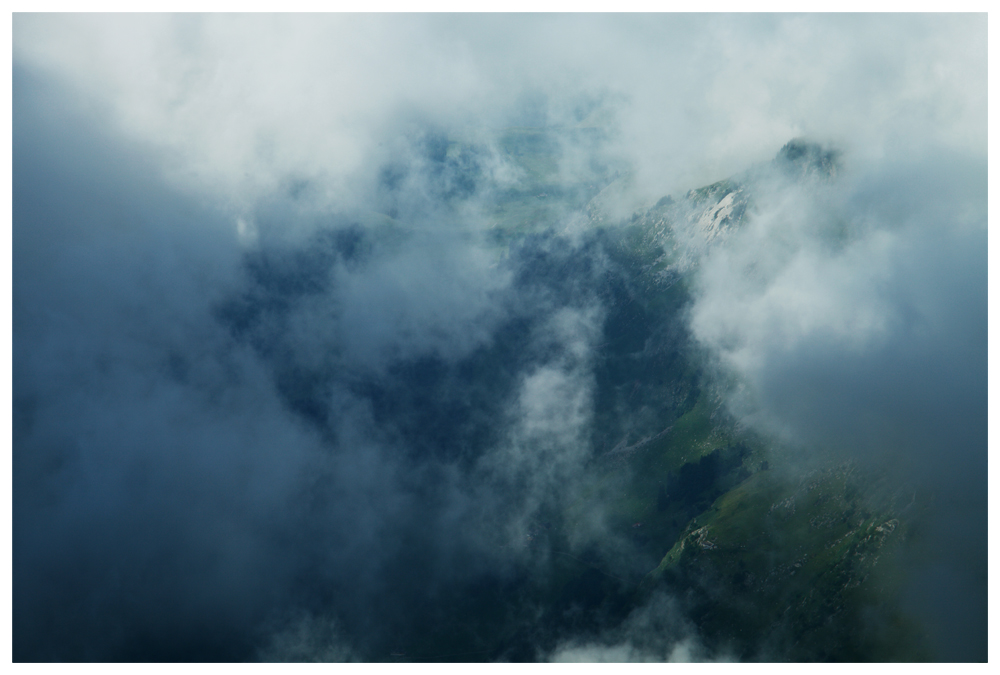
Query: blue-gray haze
(277, 393)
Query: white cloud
(872, 285)
(246, 101)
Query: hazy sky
(173, 180)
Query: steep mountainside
(764, 561)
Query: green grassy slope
(767, 563)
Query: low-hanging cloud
(871, 294)
(376, 469)
(855, 313)
(693, 97)
(657, 632)
(277, 395)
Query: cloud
(359, 486)
(245, 102)
(308, 640)
(255, 303)
(656, 632)
(855, 315)
(876, 302)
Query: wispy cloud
(271, 374)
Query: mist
(288, 386)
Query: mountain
(764, 561)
